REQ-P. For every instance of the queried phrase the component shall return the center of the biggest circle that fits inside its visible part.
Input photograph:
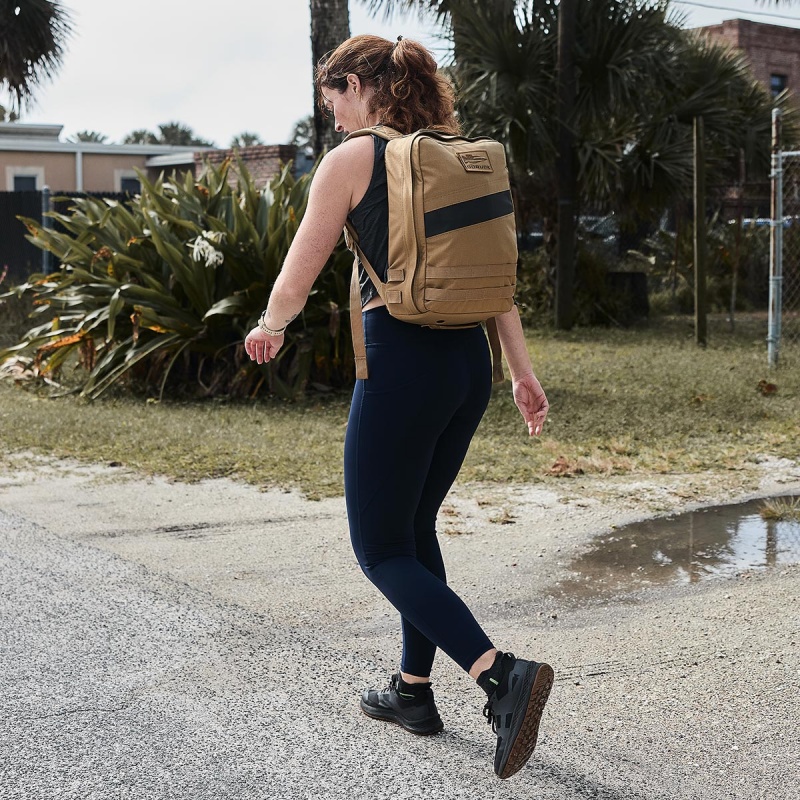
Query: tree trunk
(330, 26)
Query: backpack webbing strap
(496, 350)
(356, 322)
(357, 325)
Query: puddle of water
(685, 548)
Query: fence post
(47, 224)
(775, 243)
(700, 250)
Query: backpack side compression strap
(357, 325)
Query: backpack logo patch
(476, 161)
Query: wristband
(263, 326)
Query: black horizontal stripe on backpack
(469, 212)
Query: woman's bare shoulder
(350, 155)
(348, 167)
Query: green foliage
(640, 81)
(14, 315)
(88, 136)
(140, 136)
(736, 259)
(246, 139)
(303, 134)
(173, 133)
(159, 292)
(33, 36)
(8, 116)
(534, 292)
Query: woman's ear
(354, 84)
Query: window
(24, 178)
(130, 185)
(127, 180)
(777, 83)
(24, 183)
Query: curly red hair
(409, 91)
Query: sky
(240, 65)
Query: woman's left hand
(261, 347)
(531, 402)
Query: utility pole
(565, 264)
(700, 318)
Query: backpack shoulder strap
(384, 131)
(351, 242)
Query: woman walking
(433, 385)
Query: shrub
(732, 255)
(158, 293)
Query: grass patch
(635, 401)
(780, 509)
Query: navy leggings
(409, 429)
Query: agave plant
(159, 292)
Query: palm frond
(32, 40)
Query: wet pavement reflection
(684, 548)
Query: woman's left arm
(320, 229)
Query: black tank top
(370, 218)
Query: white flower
(203, 250)
(214, 236)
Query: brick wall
(263, 161)
(770, 49)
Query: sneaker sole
(388, 716)
(525, 740)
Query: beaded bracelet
(269, 331)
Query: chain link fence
(790, 283)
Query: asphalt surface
(164, 640)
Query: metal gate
(783, 338)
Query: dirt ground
(210, 640)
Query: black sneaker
(517, 690)
(408, 704)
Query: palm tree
(443, 14)
(88, 136)
(330, 26)
(246, 139)
(8, 116)
(173, 133)
(140, 136)
(178, 133)
(641, 80)
(303, 135)
(32, 38)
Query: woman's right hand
(261, 347)
(531, 402)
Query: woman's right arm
(329, 200)
(528, 393)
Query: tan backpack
(452, 236)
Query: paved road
(208, 642)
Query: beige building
(33, 156)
